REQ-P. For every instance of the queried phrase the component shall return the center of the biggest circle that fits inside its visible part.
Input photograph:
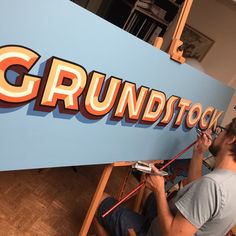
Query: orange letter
(128, 99)
(56, 90)
(194, 115)
(157, 99)
(203, 123)
(214, 119)
(20, 56)
(184, 105)
(169, 110)
(92, 103)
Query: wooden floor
(51, 202)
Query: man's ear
(231, 139)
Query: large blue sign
(77, 90)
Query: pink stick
(178, 155)
(143, 182)
(124, 198)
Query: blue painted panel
(32, 139)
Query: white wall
(217, 20)
(231, 112)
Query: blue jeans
(122, 218)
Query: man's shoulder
(214, 181)
(219, 176)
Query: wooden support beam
(158, 42)
(174, 51)
(98, 195)
(96, 200)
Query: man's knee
(104, 196)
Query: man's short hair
(231, 130)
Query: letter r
(56, 90)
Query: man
(205, 206)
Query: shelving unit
(145, 25)
(145, 19)
(148, 24)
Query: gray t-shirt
(208, 203)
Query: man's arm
(195, 167)
(169, 224)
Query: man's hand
(203, 143)
(155, 182)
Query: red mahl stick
(143, 182)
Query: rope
(123, 186)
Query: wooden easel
(176, 55)
(98, 194)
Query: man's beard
(214, 149)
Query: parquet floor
(51, 202)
